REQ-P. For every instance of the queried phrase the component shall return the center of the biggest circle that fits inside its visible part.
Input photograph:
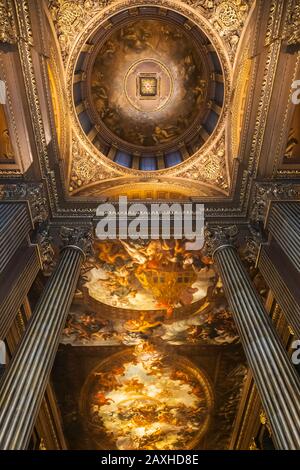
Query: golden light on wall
(55, 103)
(292, 150)
(239, 101)
(6, 149)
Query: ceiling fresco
(154, 289)
(148, 397)
(142, 399)
(150, 354)
(160, 55)
(150, 92)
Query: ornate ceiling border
(226, 17)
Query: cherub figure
(163, 135)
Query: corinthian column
(16, 283)
(15, 224)
(284, 225)
(285, 290)
(23, 385)
(275, 377)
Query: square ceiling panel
(148, 86)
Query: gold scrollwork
(7, 26)
(292, 30)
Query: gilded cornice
(227, 18)
(274, 21)
(265, 192)
(32, 193)
(86, 168)
(261, 119)
(264, 104)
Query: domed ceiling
(151, 90)
(148, 83)
(148, 92)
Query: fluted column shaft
(15, 225)
(15, 284)
(284, 225)
(23, 385)
(275, 376)
(285, 293)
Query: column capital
(217, 238)
(269, 191)
(33, 193)
(79, 238)
(47, 251)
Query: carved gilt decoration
(292, 30)
(80, 237)
(264, 193)
(46, 249)
(216, 237)
(31, 192)
(274, 21)
(7, 26)
(227, 18)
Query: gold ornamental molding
(274, 21)
(226, 17)
(86, 168)
(25, 53)
(261, 116)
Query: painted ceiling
(149, 87)
(150, 355)
(160, 68)
(111, 128)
